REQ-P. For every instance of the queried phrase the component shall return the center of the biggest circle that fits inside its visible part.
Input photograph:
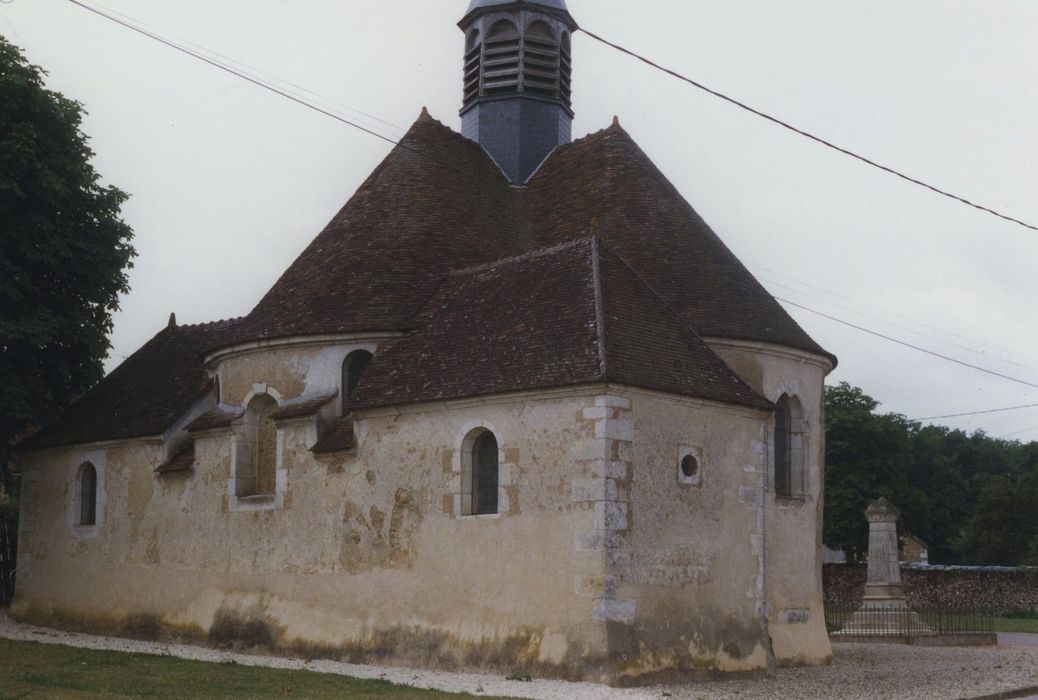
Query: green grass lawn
(29, 669)
(1016, 624)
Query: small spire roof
(480, 4)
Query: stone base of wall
(998, 591)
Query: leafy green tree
(64, 252)
(1003, 527)
(867, 456)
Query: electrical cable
(907, 345)
(807, 134)
(1018, 432)
(893, 314)
(261, 83)
(266, 86)
(907, 329)
(978, 413)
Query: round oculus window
(689, 466)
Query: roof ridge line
(596, 276)
(195, 326)
(540, 252)
(682, 322)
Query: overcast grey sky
(229, 183)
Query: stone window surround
(73, 505)
(800, 441)
(461, 471)
(697, 454)
(275, 501)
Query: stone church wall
(606, 561)
(792, 526)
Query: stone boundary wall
(996, 589)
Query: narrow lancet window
(484, 474)
(87, 494)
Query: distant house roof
(568, 315)
(144, 396)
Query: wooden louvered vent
(565, 71)
(506, 63)
(473, 65)
(501, 59)
(540, 61)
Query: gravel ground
(860, 671)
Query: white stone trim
(99, 459)
(276, 500)
(460, 483)
(697, 454)
(217, 356)
(800, 444)
(773, 349)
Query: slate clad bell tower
(517, 81)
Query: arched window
(788, 458)
(484, 474)
(256, 464)
(353, 368)
(87, 486)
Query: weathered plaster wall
(792, 526)
(365, 559)
(603, 563)
(293, 370)
(685, 568)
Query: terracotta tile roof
(436, 202)
(338, 437)
(305, 407)
(567, 315)
(182, 460)
(216, 417)
(605, 185)
(145, 395)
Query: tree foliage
(64, 251)
(969, 497)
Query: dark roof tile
(182, 460)
(142, 397)
(338, 437)
(568, 315)
(217, 417)
(307, 406)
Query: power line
(905, 328)
(892, 314)
(216, 64)
(259, 82)
(1018, 432)
(131, 24)
(907, 345)
(978, 413)
(807, 134)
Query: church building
(517, 406)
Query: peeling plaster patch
(597, 540)
(610, 515)
(613, 401)
(750, 496)
(795, 615)
(585, 490)
(594, 587)
(613, 610)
